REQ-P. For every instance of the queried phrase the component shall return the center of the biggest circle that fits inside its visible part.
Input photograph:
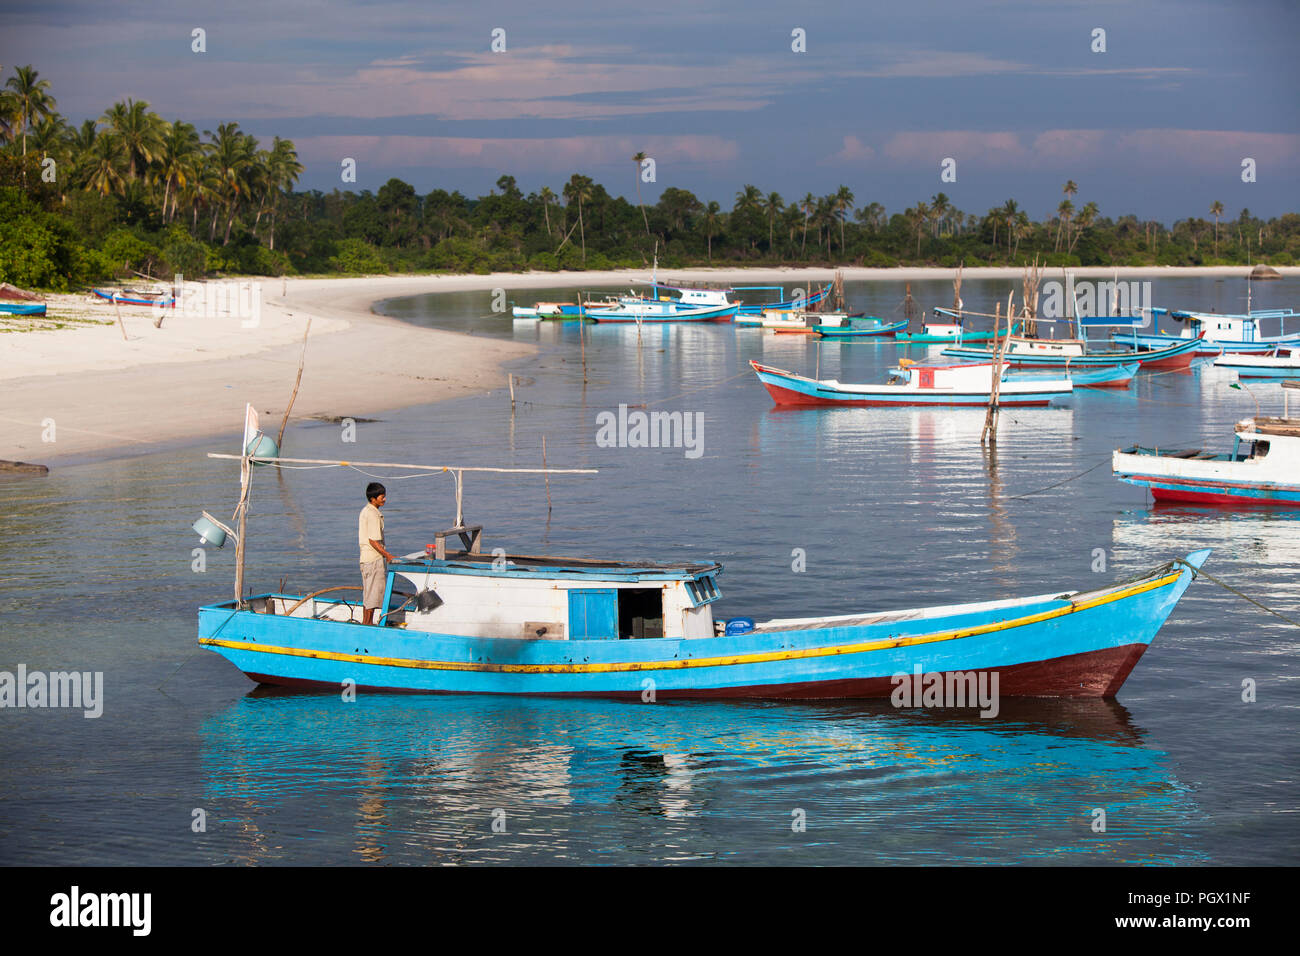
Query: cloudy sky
(1157, 125)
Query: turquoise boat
(12, 308)
(861, 329)
(470, 623)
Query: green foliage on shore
(133, 193)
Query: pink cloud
(852, 152)
(972, 146)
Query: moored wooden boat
(913, 384)
(952, 331)
(1227, 334)
(1263, 468)
(871, 328)
(1279, 363)
(563, 627)
(1074, 353)
(1117, 376)
(649, 310)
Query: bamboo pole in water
(119, 317)
(548, 477)
(243, 527)
(279, 439)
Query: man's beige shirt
(370, 527)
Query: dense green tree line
(132, 192)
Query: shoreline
(109, 398)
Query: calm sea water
(893, 508)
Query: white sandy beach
(190, 378)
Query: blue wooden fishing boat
(1075, 353)
(966, 384)
(464, 622)
(13, 308)
(1116, 376)
(1219, 333)
(861, 329)
(557, 626)
(782, 303)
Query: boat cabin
(528, 598)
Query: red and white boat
(1263, 468)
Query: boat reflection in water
(408, 779)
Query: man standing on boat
(370, 535)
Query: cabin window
(703, 591)
(640, 613)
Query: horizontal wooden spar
(389, 464)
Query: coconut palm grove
(131, 192)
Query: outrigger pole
(457, 472)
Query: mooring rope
(1197, 572)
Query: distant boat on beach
(22, 308)
(136, 297)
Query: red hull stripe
(1090, 674)
(1211, 486)
(788, 396)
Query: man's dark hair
(374, 490)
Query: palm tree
(579, 189)
(50, 135)
(547, 197)
(1069, 189)
(1216, 210)
(711, 214)
(283, 169)
(941, 206)
(920, 218)
(178, 160)
(30, 100)
(1022, 227)
(842, 204)
(1086, 217)
(638, 158)
(1009, 210)
(101, 166)
(807, 205)
(1063, 212)
(139, 131)
(772, 206)
(232, 155)
(748, 198)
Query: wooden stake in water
(119, 317)
(511, 379)
(548, 477)
(279, 439)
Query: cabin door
(593, 614)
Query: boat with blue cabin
(1218, 333)
(548, 626)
